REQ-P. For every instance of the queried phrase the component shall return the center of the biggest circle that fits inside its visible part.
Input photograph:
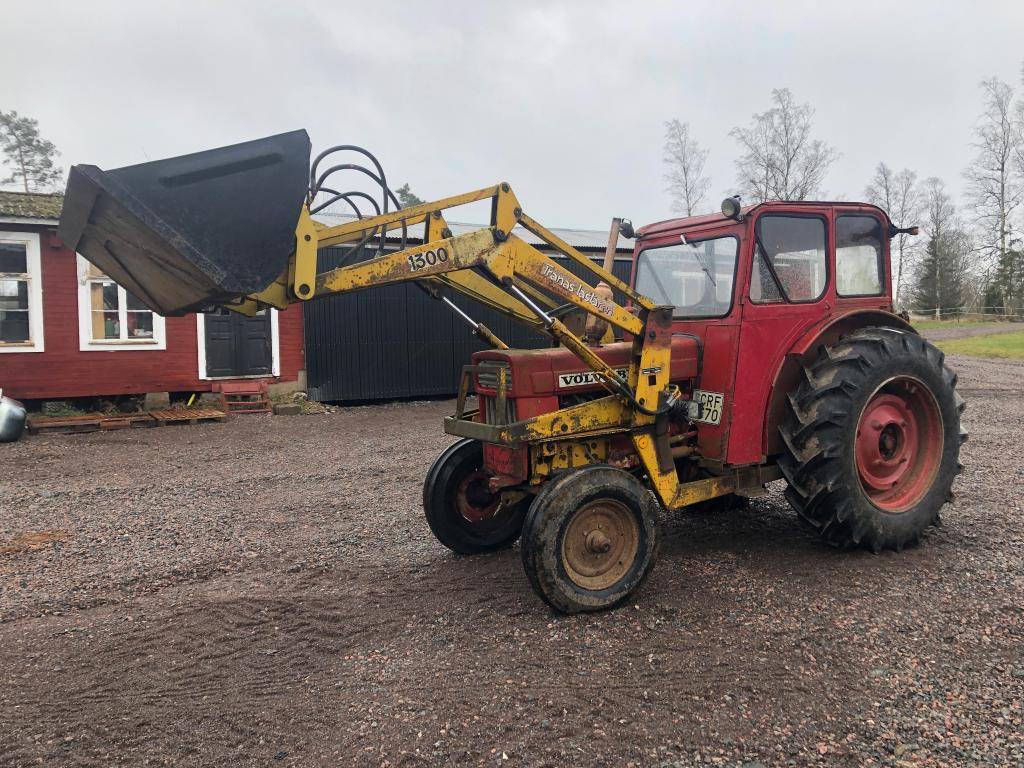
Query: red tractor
(756, 344)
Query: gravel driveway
(265, 592)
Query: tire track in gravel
(352, 638)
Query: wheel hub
(600, 544)
(474, 500)
(898, 444)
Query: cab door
(788, 289)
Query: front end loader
(756, 360)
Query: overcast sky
(567, 101)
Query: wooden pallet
(187, 416)
(89, 422)
(127, 421)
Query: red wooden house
(66, 330)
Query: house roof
(581, 239)
(32, 207)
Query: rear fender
(804, 351)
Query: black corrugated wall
(397, 342)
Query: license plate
(710, 406)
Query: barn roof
(581, 239)
(38, 208)
(32, 207)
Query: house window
(21, 293)
(111, 318)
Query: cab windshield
(696, 278)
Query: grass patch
(64, 411)
(1001, 345)
(923, 325)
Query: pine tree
(406, 198)
(29, 156)
(940, 285)
(941, 276)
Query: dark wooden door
(237, 345)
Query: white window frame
(275, 350)
(86, 343)
(35, 293)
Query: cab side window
(789, 259)
(858, 255)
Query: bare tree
(898, 194)
(685, 160)
(995, 185)
(780, 159)
(30, 157)
(1019, 151)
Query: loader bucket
(195, 231)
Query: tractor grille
(487, 379)
(490, 406)
(487, 376)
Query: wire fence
(971, 314)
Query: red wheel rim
(474, 499)
(899, 444)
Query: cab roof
(710, 220)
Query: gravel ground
(266, 592)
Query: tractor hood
(558, 371)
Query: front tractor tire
(873, 440)
(460, 510)
(590, 539)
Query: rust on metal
(600, 544)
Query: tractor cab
(759, 287)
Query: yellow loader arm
(233, 227)
(489, 265)
(499, 269)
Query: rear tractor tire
(460, 510)
(873, 440)
(590, 539)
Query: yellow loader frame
(498, 269)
